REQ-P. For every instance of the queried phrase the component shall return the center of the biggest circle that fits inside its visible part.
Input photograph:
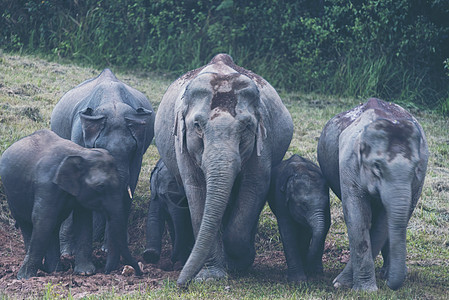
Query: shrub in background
(393, 49)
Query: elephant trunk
(117, 243)
(319, 231)
(220, 173)
(398, 213)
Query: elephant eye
(198, 129)
(376, 169)
(248, 124)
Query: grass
(30, 87)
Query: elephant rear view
(219, 130)
(104, 112)
(374, 158)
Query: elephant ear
(261, 135)
(179, 128)
(68, 174)
(247, 92)
(91, 126)
(137, 124)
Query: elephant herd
(221, 132)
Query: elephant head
(218, 128)
(121, 130)
(307, 199)
(92, 177)
(389, 155)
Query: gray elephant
(374, 158)
(46, 177)
(219, 130)
(168, 204)
(299, 198)
(104, 112)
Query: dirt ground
(12, 254)
(271, 263)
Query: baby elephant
(299, 197)
(168, 203)
(45, 178)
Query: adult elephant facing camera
(104, 112)
(220, 129)
(374, 158)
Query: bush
(393, 49)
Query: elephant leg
(52, 257)
(82, 224)
(240, 229)
(173, 234)
(294, 249)
(44, 224)
(182, 237)
(378, 235)
(357, 213)
(66, 237)
(184, 240)
(154, 231)
(385, 255)
(26, 229)
(99, 229)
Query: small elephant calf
(299, 197)
(168, 203)
(45, 178)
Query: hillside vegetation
(30, 88)
(392, 49)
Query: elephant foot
(297, 278)
(104, 248)
(151, 255)
(177, 266)
(85, 269)
(344, 279)
(53, 267)
(366, 287)
(210, 273)
(67, 252)
(27, 271)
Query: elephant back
(102, 90)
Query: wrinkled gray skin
(374, 158)
(219, 130)
(168, 204)
(299, 198)
(104, 112)
(45, 178)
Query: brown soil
(269, 266)
(12, 254)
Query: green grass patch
(30, 87)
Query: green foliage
(392, 49)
